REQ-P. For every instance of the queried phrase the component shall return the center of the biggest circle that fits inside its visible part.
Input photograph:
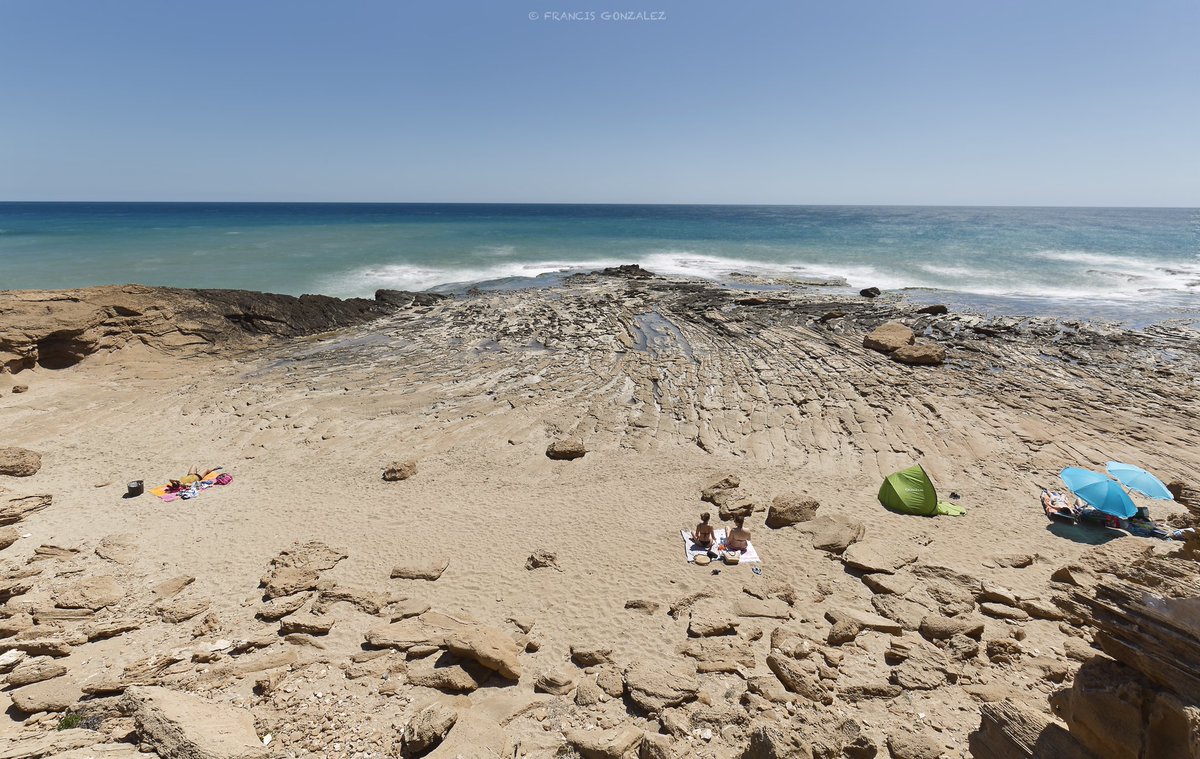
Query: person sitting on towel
(704, 536)
(738, 538)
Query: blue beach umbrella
(1099, 491)
(1140, 481)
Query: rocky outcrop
(90, 593)
(1142, 702)
(1147, 701)
(16, 508)
(183, 726)
(57, 329)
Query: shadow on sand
(1084, 532)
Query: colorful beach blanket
(191, 486)
(691, 551)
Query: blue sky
(894, 102)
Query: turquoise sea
(1131, 265)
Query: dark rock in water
(405, 298)
(870, 292)
(627, 270)
(936, 310)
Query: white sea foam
(1099, 277)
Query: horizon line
(588, 203)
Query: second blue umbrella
(1139, 480)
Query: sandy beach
(623, 647)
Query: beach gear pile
(191, 485)
(910, 491)
(1108, 502)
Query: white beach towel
(690, 552)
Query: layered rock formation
(57, 329)
(1144, 701)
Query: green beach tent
(910, 491)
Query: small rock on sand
(426, 569)
(939, 628)
(557, 682)
(427, 728)
(708, 624)
(566, 450)
(1013, 560)
(590, 656)
(399, 470)
(791, 508)
(642, 605)
(1003, 611)
(541, 559)
(20, 388)
(306, 623)
(19, 462)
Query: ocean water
(1130, 265)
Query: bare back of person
(738, 539)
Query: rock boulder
(19, 462)
(184, 726)
(427, 728)
(655, 685)
(889, 337)
(791, 508)
(566, 449)
(399, 470)
(488, 646)
(920, 354)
